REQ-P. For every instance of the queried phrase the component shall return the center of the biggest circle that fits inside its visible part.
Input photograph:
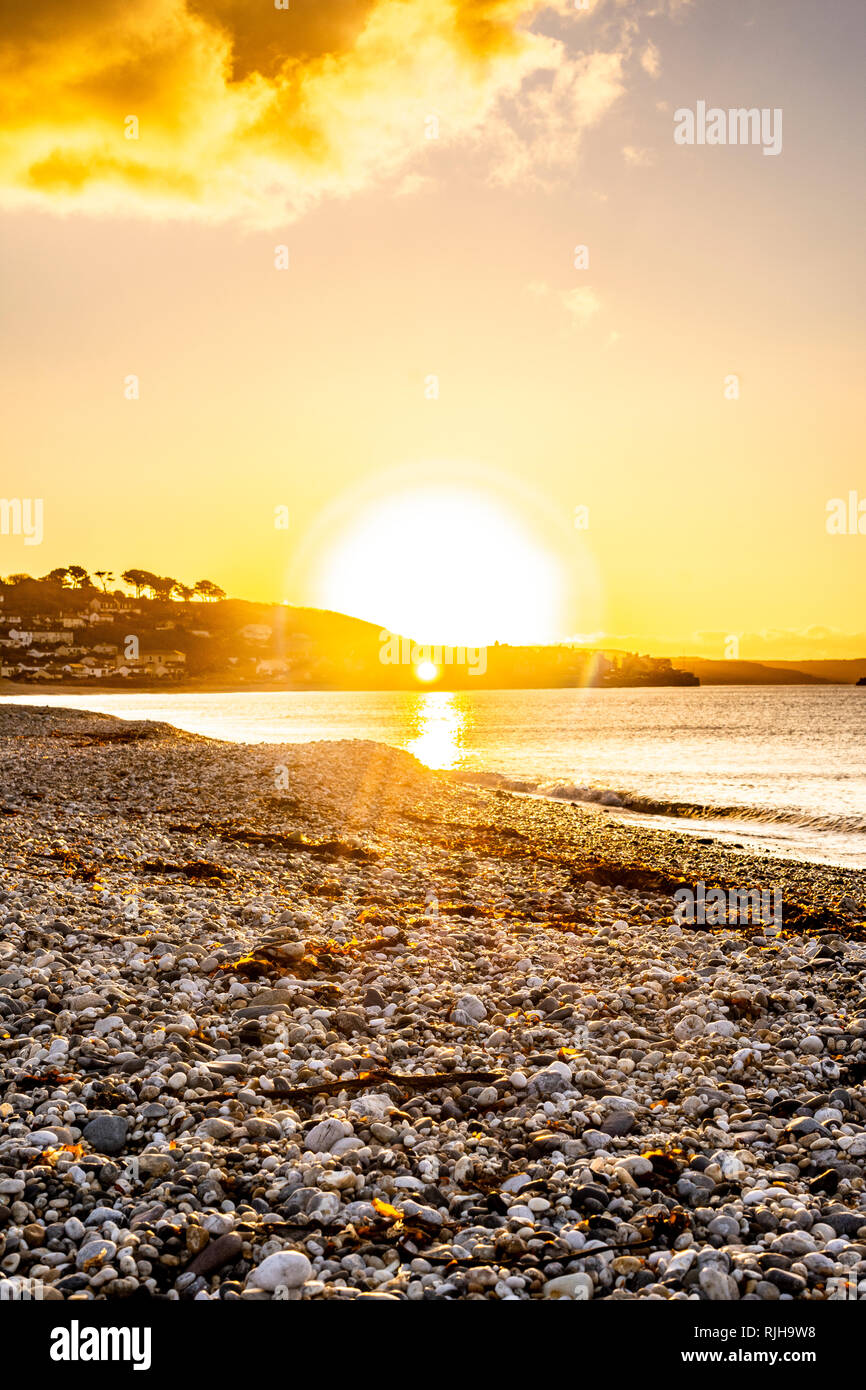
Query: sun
(444, 564)
(426, 671)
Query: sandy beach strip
(313, 1022)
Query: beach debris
(195, 868)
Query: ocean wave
(763, 815)
(497, 780)
(568, 791)
(653, 806)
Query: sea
(774, 768)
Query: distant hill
(761, 673)
(836, 671)
(52, 631)
(847, 671)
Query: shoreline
(272, 1006)
(8, 687)
(782, 836)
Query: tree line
(159, 586)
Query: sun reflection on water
(440, 721)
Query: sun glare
(439, 718)
(426, 671)
(444, 565)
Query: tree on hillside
(57, 576)
(103, 576)
(19, 579)
(79, 576)
(163, 587)
(135, 579)
(140, 579)
(183, 592)
(208, 591)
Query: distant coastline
(212, 687)
(62, 633)
(163, 687)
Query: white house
(273, 666)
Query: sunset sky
(453, 257)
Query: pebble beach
(312, 1022)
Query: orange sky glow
(433, 280)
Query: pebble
(106, 1133)
(468, 1010)
(717, 1285)
(286, 1269)
(323, 1136)
(575, 1286)
(216, 1254)
(95, 1253)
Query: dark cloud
(247, 110)
(264, 39)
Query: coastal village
(65, 630)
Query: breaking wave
(652, 806)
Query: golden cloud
(223, 108)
